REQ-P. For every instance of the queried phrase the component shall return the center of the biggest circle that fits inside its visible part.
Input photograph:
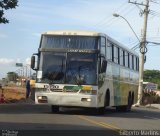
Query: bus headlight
(42, 99)
(86, 100)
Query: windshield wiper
(78, 78)
(74, 75)
(55, 75)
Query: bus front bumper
(66, 99)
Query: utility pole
(143, 50)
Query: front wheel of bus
(101, 111)
(55, 109)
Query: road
(29, 118)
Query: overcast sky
(20, 38)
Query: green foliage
(12, 76)
(5, 5)
(152, 76)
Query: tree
(5, 5)
(12, 76)
(152, 76)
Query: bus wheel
(55, 109)
(100, 111)
(126, 108)
(107, 101)
(132, 98)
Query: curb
(157, 106)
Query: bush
(150, 97)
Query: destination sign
(77, 50)
(68, 50)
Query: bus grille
(64, 91)
(56, 90)
(70, 91)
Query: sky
(21, 37)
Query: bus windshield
(53, 67)
(71, 42)
(69, 68)
(81, 69)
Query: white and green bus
(85, 69)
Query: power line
(155, 1)
(155, 43)
(154, 13)
(113, 21)
(136, 46)
(109, 19)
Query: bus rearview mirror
(33, 62)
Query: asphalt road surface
(30, 119)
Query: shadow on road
(38, 129)
(110, 112)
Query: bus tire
(55, 109)
(107, 101)
(126, 108)
(101, 110)
(132, 98)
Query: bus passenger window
(121, 57)
(103, 46)
(134, 62)
(130, 61)
(103, 50)
(126, 59)
(137, 64)
(116, 54)
(112, 52)
(109, 51)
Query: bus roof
(88, 33)
(73, 32)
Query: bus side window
(137, 63)
(126, 59)
(121, 57)
(134, 62)
(103, 46)
(109, 51)
(112, 52)
(116, 50)
(130, 61)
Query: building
(150, 86)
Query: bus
(85, 69)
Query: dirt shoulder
(13, 94)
